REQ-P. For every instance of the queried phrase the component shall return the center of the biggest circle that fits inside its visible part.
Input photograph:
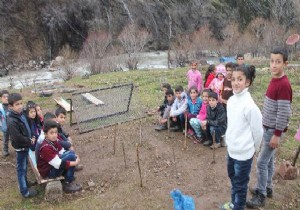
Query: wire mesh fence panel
(106, 106)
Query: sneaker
(215, 146)
(31, 193)
(258, 200)
(207, 143)
(253, 191)
(198, 140)
(190, 134)
(79, 167)
(175, 128)
(227, 206)
(71, 187)
(160, 127)
(269, 192)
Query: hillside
(36, 29)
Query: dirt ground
(117, 187)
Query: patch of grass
(150, 95)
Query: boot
(258, 200)
(31, 193)
(253, 191)
(161, 127)
(78, 167)
(71, 187)
(208, 143)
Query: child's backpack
(3, 124)
(182, 202)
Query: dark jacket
(216, 116)
(19, 135)
(163, 106)
(63, 138)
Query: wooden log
(92, 99)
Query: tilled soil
(105, 177)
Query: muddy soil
(118, 187)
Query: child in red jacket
(54, 161)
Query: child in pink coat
(196, 123)
(194, 77)
(217, 84)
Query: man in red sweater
(276, 114)
(54, 161)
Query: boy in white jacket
(243, 135)
(178, 109)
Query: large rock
(287, 171)
(53, 191)
(59, 61)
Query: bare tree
(182, 48)
(274, 35)
(133, 41)
(231, 34)
(203, 40)
(95, 48)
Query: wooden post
(115, 135)
(138, 162)
(169, 127)
(185, 131)
(213, 145)
(296, 156)
(124, 154)
(140, 132)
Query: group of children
(224, 108)
(28, 129)
(227, 108)
(205, 116)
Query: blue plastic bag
(182, 202)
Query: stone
(53, 191)
(287, 171)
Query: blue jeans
(22, 160)
(265, 163)
(67, 173)
(238, 172)
(219, 131)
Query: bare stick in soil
(213, 146)
(185, 131)
(174, 158)
(124, 154)
(296, 156)
(140, 131)
(168, 127)
(115, 135)
(138, 162)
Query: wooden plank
(92, 99)
(33, 164)
(63, 103)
